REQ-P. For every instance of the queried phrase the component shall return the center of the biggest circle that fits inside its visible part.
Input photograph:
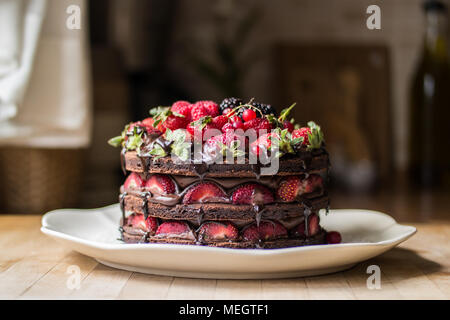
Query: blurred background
(381, 96)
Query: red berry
(183, 108)
(204, 192)
(219, 121)
(213, 231)
(198, 111)
(175, 229)
(248, 115)
(160, 184)
(313, 227)
(288, 125)
(267, 230)
(133, 181)
(258, 124)
(210, 108)
(137, 220)
(302, 132)
(235, 119)
(238, 125)
(293, 186)
(226, 127)
(333, 237)
(264, 142)
(252, 193)
(227, 113)
(173, 122)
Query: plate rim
(45, 228)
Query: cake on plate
(234, 175)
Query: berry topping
(160, 184)
(264, 108)
(293, 186)
(183, 108)
(214, 231)
(174, 122)
(133, 181)
(175, 229)
(226, 127)
(230, 103)
(302, 133)
(267, 230)
(258, 124)
(252, 193)
(263, 143)
(288, 125)
(248, 115)
(136, 220)
(204, 192)
(204, 108)
(219, 121)
(333, 237)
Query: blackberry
(265, 108)
(230, 103)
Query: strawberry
(183, 108)
(227, 126)
(267, 230)
(160, 184)
(211, 107)
(133, 181)
(293, 186)
(258, 124)
(263, 143)
(213, 231)
(302, 132)
(333, 237)
(313, 227)
(219, 121)
(204, 192)
(204, 108)
(173, 122)
(178, 229)
(191, 128)
(252, 193)
(137, 220)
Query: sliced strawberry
(294, 186)
(204, 192)
(217, 231)
(252, 193)
(136, 220)
(313, 225)
(267, 230)
(160, 184)
(175, 229)
(302, 132)
(333, 237)
(133, 181)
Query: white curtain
(45, 96)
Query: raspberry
(219, 121)
(183, 108)
(258, 124)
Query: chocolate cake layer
(319, 238)
(223, 211)
(288, 165)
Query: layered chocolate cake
(233, 175)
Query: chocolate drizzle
(122, 203)
(122, 161)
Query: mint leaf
(157, 152)
(285, 112)
(116, 141)
(315, 137)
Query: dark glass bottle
(429, 124)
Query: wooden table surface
(33, 266)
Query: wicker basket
(36, 180)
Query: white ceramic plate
(95, 233)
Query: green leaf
(157, 152)
(116, 141)
(285, 112)
(134, 142)
(160, 109)
(315, 137)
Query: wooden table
(34, 266)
